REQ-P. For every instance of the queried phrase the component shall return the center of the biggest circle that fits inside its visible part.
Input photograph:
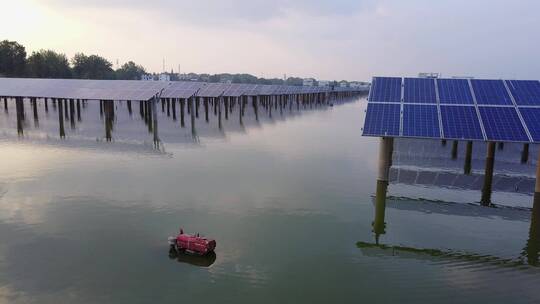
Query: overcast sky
(338, 39)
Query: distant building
(324, 83)
(164, 77)
(147, 77)
(429, 75)
(343, 84)
(308, 82)
(359, 85)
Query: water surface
(289, 199)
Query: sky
(328, 40)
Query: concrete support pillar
(173, 108)
(35, 110)
(226, 101)
(168, 107)
(109, 119)
(61, 119)
(192, 113)
(468, 158)
(220, 124)
(154, 102)
(182, 106)
(130, 111)
(525, 154)
(240, 110)
(385, 148)
(72, 113)
(205, 101)
(533, 244)
(256, 107)
(5, 105)
(79, 109)
(488, 175)
(455, 149)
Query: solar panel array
(141, 90)
(80, 88)
(461, 109)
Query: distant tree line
(14, 62)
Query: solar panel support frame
(439, 108)
(401, 107)
(525, 127)
(477, 111)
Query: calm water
(288, 199)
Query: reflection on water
(195, 260)
(287, 191)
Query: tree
(12, 59)
(130, 71)
(91, 67)
(294, 81)
(48, 64)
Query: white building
(343, 84)
(147, 77)
(324, 83)
(359, 85)
(308, 82)
(164, 77)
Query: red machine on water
(193, 244)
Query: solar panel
(502, 124)
(421, 121)
(81, 88)
(421, 90)
(181, 89)
(385, 89)
(382, 120)
(213, 89)
(454, 91)
(525, 92)
(490, 92)
(531, 116)
(461, 122)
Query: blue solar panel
(382, 120)
(421, 90)
(502, 124)
(454, 91)
(421, 121)
(525, 92)
(461, 122)
(490, 92)
(385, 89)
(531, 116)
